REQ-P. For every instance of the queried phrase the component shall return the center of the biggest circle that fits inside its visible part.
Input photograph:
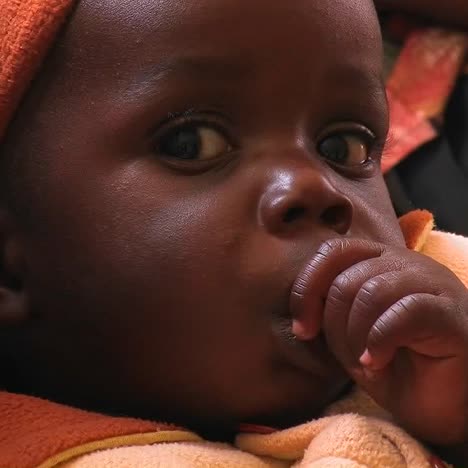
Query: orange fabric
(448, 249)
(27, 29)
(33, 430)
(416, 226)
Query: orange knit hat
(27, 30)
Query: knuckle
(404, 306)
(336, 296)
(370, 291)
(395, 315)
(364, 299)
(339, 292)
(371, 287)
(378, 283)
(331, 245)
(377, 333)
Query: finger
(374, 298)
(416, 322)
(359, 295)
(310, 290)
(346, 333)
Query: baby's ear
(13, 300)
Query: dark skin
(450, 12)
(202, 216)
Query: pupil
(335, 149)
(183, 144)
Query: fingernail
(366, 359)
(437, 462)
(304, 330)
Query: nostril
(336, 217)
(293, 214)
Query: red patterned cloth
(419, 84)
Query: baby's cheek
(374, 216)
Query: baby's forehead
(133, 45)
(148, 30)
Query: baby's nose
(299, 198)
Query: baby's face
(192, 156)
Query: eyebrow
(200, 66)
(189, 66)
(234, 69)
(351, 76)
(354, 75)
(368, 90)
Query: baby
(195, 228)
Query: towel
(35, 432)
(343, 438)
(27, 30)
(449, 249)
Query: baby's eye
(346, 149)
(194, 142)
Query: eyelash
(378, 147)
(191, 118)
(386, 146)
(194, 118)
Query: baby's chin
(291, 414)
(226, 431)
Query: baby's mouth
(307, 303)
(312, 357)
(302, 340)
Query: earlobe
(13, 303)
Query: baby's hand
(398, 322)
